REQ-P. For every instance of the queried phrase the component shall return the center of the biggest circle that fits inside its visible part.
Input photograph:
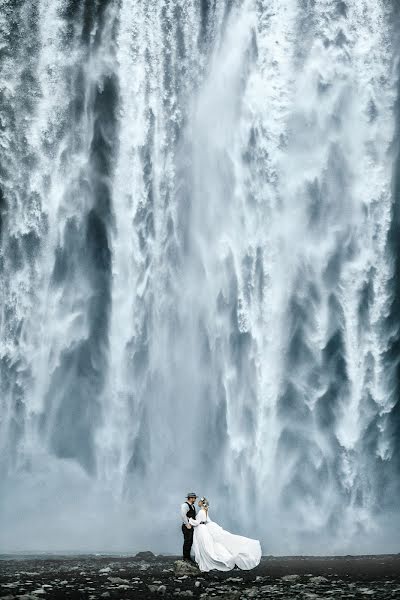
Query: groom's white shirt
(184, 510)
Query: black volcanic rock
(146, 555)
(133, 578)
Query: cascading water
(199, 272)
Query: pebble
(319, 579)
(290, 578)
(118, 580)
(251, 592)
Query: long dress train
(215, 548)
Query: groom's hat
(191, 495)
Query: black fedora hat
(191, 495)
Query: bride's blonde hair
(205, 503)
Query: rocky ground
(148, 576)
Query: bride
(215, 548)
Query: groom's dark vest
(191, 513)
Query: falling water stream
(199, 272)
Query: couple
(214, 548)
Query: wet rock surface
(148, 576)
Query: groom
(188, 511)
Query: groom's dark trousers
(187, 541)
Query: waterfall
(199, 272)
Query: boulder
(183, 567)
(157, 589)
(146, 555)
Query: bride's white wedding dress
(215, 548)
